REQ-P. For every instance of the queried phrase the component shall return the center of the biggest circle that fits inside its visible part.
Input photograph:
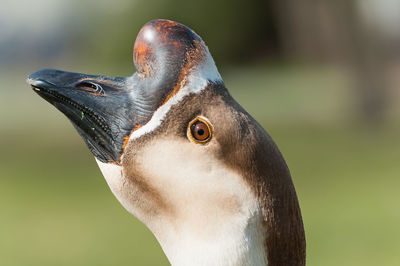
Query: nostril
(91, 87)
(86, 84)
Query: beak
(106, 110)
(100, 108)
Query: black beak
(105, 110)
(101, 108)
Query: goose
(181, 155)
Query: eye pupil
(200, 132)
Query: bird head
(181, 154)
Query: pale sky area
(40, 28)
(30, 15)
(27, 26)
(38, 16)
(383, 13)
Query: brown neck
(266, 172)
(285, 240)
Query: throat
(236, 244)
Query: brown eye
(199, 130)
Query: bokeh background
(322, 77)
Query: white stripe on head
(198, 79)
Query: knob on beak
(106, 110)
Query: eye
(199, 130)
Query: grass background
(56, 209)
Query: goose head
(182, 155)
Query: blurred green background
(322, 77)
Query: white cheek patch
(121, 189)
(112, 173)
(215, 215)
(190, 177)
(213, 218)
(200, 75)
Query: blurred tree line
(234, 30)
(241, 31)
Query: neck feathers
(285, 240)
(264, 169)
(240, 243)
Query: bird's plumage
(229, 200)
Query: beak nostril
(90, 87)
